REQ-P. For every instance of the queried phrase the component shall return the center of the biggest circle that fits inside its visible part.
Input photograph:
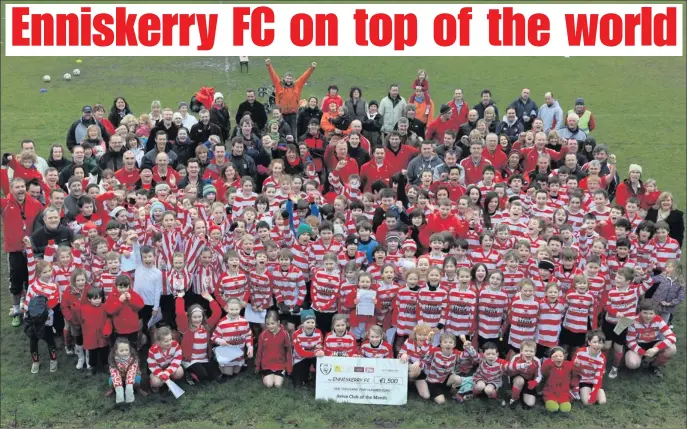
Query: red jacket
(530, 155)
(170, 172)
(371, 173)
(71, 307)
(437, 128)
(349, 169)
(436, 224)
(624, 191)
(95, 326)
(14, 227)
(124, 314)
(127, 178)
(398, 161)
(498, 159)
(462, 114)
(274, 351)
(188, 336)
(473, 173)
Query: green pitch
(639, 106)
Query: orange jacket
(420, 109)
(327, 126)
(287, 97)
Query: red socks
(515, 395)
(617, 358)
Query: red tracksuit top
(274, 351)
(124, 314)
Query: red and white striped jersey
(528, 370)
(97, 266)
(491, 258)
(540, 284)
(591, 367)
(490, 373)
(437, 366)
(435, 259)
(283, 236)
(460, 315)
(300, 258)
(640, 333)
(529, 267)
(601, 215)
(235, 332)
(232, 285)
(431, 304)
(615, 264)
(522, 317)
(491, 311)
(164, 361)
(360, 258)
(504, 247)
(324, 290)
(405, 310)
(246, 261)
(205, 279)
(36, 287)
(565, 278)
(472, 237)
(597, 287)
(645, 253)
(579, 310)
(346, 289)
(663, 252)
(304, 345)
(558, 201)
(175, 280)
(517, 228)
(416, 352)
(375, 270)
(549, 322)
(241, 202)
(386, 294)
(623, 303)
(107, 282)
(545, 212)
(259, 291)
(576, 220)
(382, 351)
(341, 346)
(511, 282)
(288, 286)
(318, 249)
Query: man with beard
(201, 132)
(19, 211)
(79, 129)
(166, 125)
(112, 159)
(254, 108)
(486, 102)
(244, 164)
(398, 155)
(288, 93)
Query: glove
(283, 308)
(532, 384)
(296, 308)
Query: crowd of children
(529, 276)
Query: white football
(76, 72)
(67, 76)
(46, 78)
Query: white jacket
(391, 113)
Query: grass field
(639, 106)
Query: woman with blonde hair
(665, 210)
(155, 113)
(131, 123)
(554, 140)
(490, 119)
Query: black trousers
(205, 371)
(301, 371)
(167, 307)
(18, 271)
(48, 337)
(324, 321)
(97, 358)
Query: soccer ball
(67, 76)
(76, 72)
(46, 78)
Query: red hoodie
(95, 326)
(274, 351)
(124, 314)
(435, 223)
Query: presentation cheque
(362, 380)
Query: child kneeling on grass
(650, 339)
(274, 357)
(559, 374)
(233, 331)
(164, 359)
(591, 363)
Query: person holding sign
(364, 300)
(231, 335)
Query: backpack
(36, 316)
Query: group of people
(474, 248)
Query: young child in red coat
(274, 359)
(123, 306)
(71, 310)
(96, 327)
(559, 374)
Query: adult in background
(459, 106)
(525, 108)
(163, 171)
(357, 106)
(372, 124)
(128, 174)
(120, 108)
(57, 159)
(19, 212)
(52, 231)
(183, 147)
(112, 159)
(510, 125)
(486, 102)
(416, 128)
(375, 169)
(407, 136)
(254, 108)
(427, 160)
(161, 146)
(630, 187)
(187, 121)
(439, 126)
(550, 113)
(79, 129)
(201, 132)
(391, 108)
(166, 125)
(570, 128)
(41, 164)
(586, 119)
(398, 155)
(219, 115)
(244, 164)
(474, 164)
(665, 210)
(310, 112)
(332, 97)
(79, 159)
(467, 127)
(288, 92)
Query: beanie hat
(115, 212)
(409, 245)
(156, 206)
(373, 102)
(393, 235)
(444, 109)
(303, 228)
(209, 189)
(306, 315)
(351, 239)
(161, 187)
(90, 225)
(546, 265)
(218, 95)
(579, 101)
(635, 167)
(338, 230)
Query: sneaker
(80, 363)
(513, 404)
(16, 321)
(189, 379)
(613, 373)
(459, 398)
(53, 365)
(658, 373)
(69, 350)
(35, 367)
(503, 402)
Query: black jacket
(481, 107)
(305, 116)
(184, 151)
(111, 160)
(257, 113)
(62, 236)
(466, 129)
(244, 165)
(675, 220)
(220, 117)
(360, 155)
(60, 165)
(200, 133)
(171, 134)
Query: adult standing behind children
(288, 92)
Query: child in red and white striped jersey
(432, 300)
(489, 375)
(525, 381)
(386, 290)
(460, 315)
(414, 350)
(645, 245)
(550, 319)
(523, 314)
(621, 302)
(665, 247)
(288, 286)
(591, 363)
(307, 347)
(360, 323)
(375, 346)
(485, 254)
(324, 291)
(492, 309)
(340, 342)
(405, 308)
(580, 312)
(438, 365)
(259, 292)
(649, 337)
(164, 359)
(512, 274)
(566, 270)
(233, 283)
(233, 331)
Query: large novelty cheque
(362, 380)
